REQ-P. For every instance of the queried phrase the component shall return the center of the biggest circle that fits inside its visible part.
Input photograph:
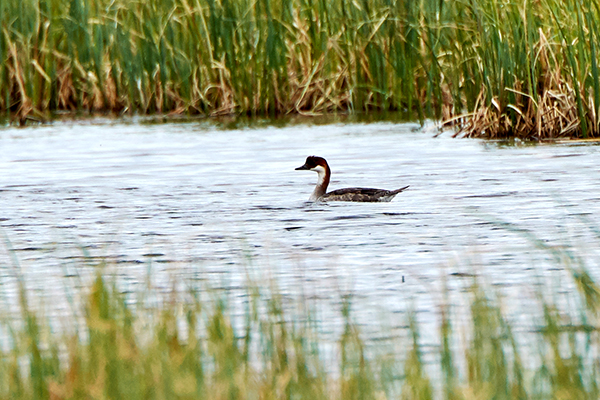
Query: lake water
(197, 202)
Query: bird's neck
(324, 175)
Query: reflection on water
(211, 204)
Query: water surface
(206, 204)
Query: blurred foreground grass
(185, 347)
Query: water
(206, 204)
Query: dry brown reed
(550, 113)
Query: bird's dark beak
(302, 167)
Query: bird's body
(320, 166)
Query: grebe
(320, 166)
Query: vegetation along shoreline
(487, 68)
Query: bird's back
(361, 194)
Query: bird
(320, 166)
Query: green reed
(508, 67)
(196, 343)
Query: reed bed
(195, 344)
(491, 68)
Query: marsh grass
(195, 344)
(491, 68)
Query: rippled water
(203, 203)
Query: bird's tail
(400, 190)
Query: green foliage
(526, 67)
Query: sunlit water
(197, 203)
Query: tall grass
(196, 344)
(494, 67)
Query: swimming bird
(320, 166)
